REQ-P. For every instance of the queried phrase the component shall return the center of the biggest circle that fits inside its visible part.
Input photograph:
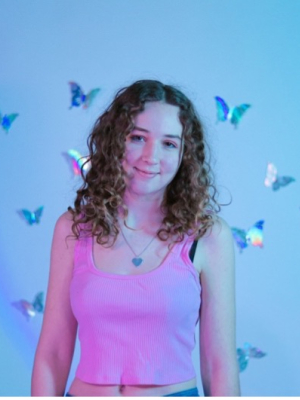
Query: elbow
(49, 375)
(221, 379)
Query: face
(153, 149)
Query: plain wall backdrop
(244, 51)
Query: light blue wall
(244, 51)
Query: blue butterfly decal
(254, 236)
(32, 217)
(243, 355)
(79, 98)
(274, 180)
(232, 114)
(28, 309)
(6, 121)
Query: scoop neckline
(98, 271)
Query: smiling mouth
(146, 173)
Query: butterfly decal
(28, 309)
(243, 355)
(253, 236)
(79, 98)
(6, 120)
(32, 217)
(273, 180)
(77, 161)
(232, 114)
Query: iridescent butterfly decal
(273, 180)
(253, 236)
(232, 114)
(28, 309)
(6, 120)
(79, 98)
(247, 352)
(77, 161)
(33, 217)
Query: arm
(219, 367)
(57, 340)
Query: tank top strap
(82, 250)
(181, 249)
(186, 247)
(184, 251)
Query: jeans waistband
(185, 393)
(193, 392)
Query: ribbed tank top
(136, 329)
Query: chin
(145, 191)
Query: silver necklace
(137, 260)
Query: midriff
(80, 388)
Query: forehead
(159, 116)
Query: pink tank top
(136, 329)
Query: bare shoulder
(216, 244)
(219, 232)
(64, 222)
(63, 228)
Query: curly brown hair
(189, 201)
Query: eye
(170, 145)
(136, 138)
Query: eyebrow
(137, 128)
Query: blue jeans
(184, 393)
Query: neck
(143, 212)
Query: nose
(151, 153)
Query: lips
(146, 173)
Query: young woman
(121, 262)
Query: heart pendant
(137, 261)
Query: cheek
(127, 157)
(130, 153)
(172, 164)
(129, 161)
